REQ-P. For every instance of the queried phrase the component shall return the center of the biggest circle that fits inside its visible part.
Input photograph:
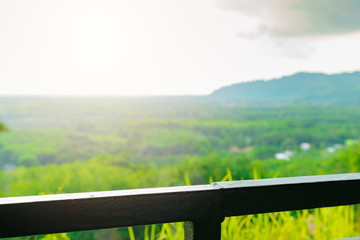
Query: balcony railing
(201, 207)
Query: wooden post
(205, 230)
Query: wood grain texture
(22, 216)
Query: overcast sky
(170, 47)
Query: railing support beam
(205, 205)
(205, 230)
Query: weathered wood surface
(200, 204)
(84, 211)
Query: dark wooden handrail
(202, 207)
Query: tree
(3, 128)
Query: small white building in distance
(334, 148)
(305, 146)
(284, 155)
(330, 149)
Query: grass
(317, 224)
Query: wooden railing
(201, 207)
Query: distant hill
(301, 88)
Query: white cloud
(300, 17)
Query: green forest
(52, 145)
(341, 89)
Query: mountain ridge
(299, 88)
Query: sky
(177, 47)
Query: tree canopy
(3, 128)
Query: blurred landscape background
(77, 144)
(112, 95)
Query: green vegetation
(3, 128)
(63, 145)
(319, 224)
(311, 88)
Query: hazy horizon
(47, 95)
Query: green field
(64, 145)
